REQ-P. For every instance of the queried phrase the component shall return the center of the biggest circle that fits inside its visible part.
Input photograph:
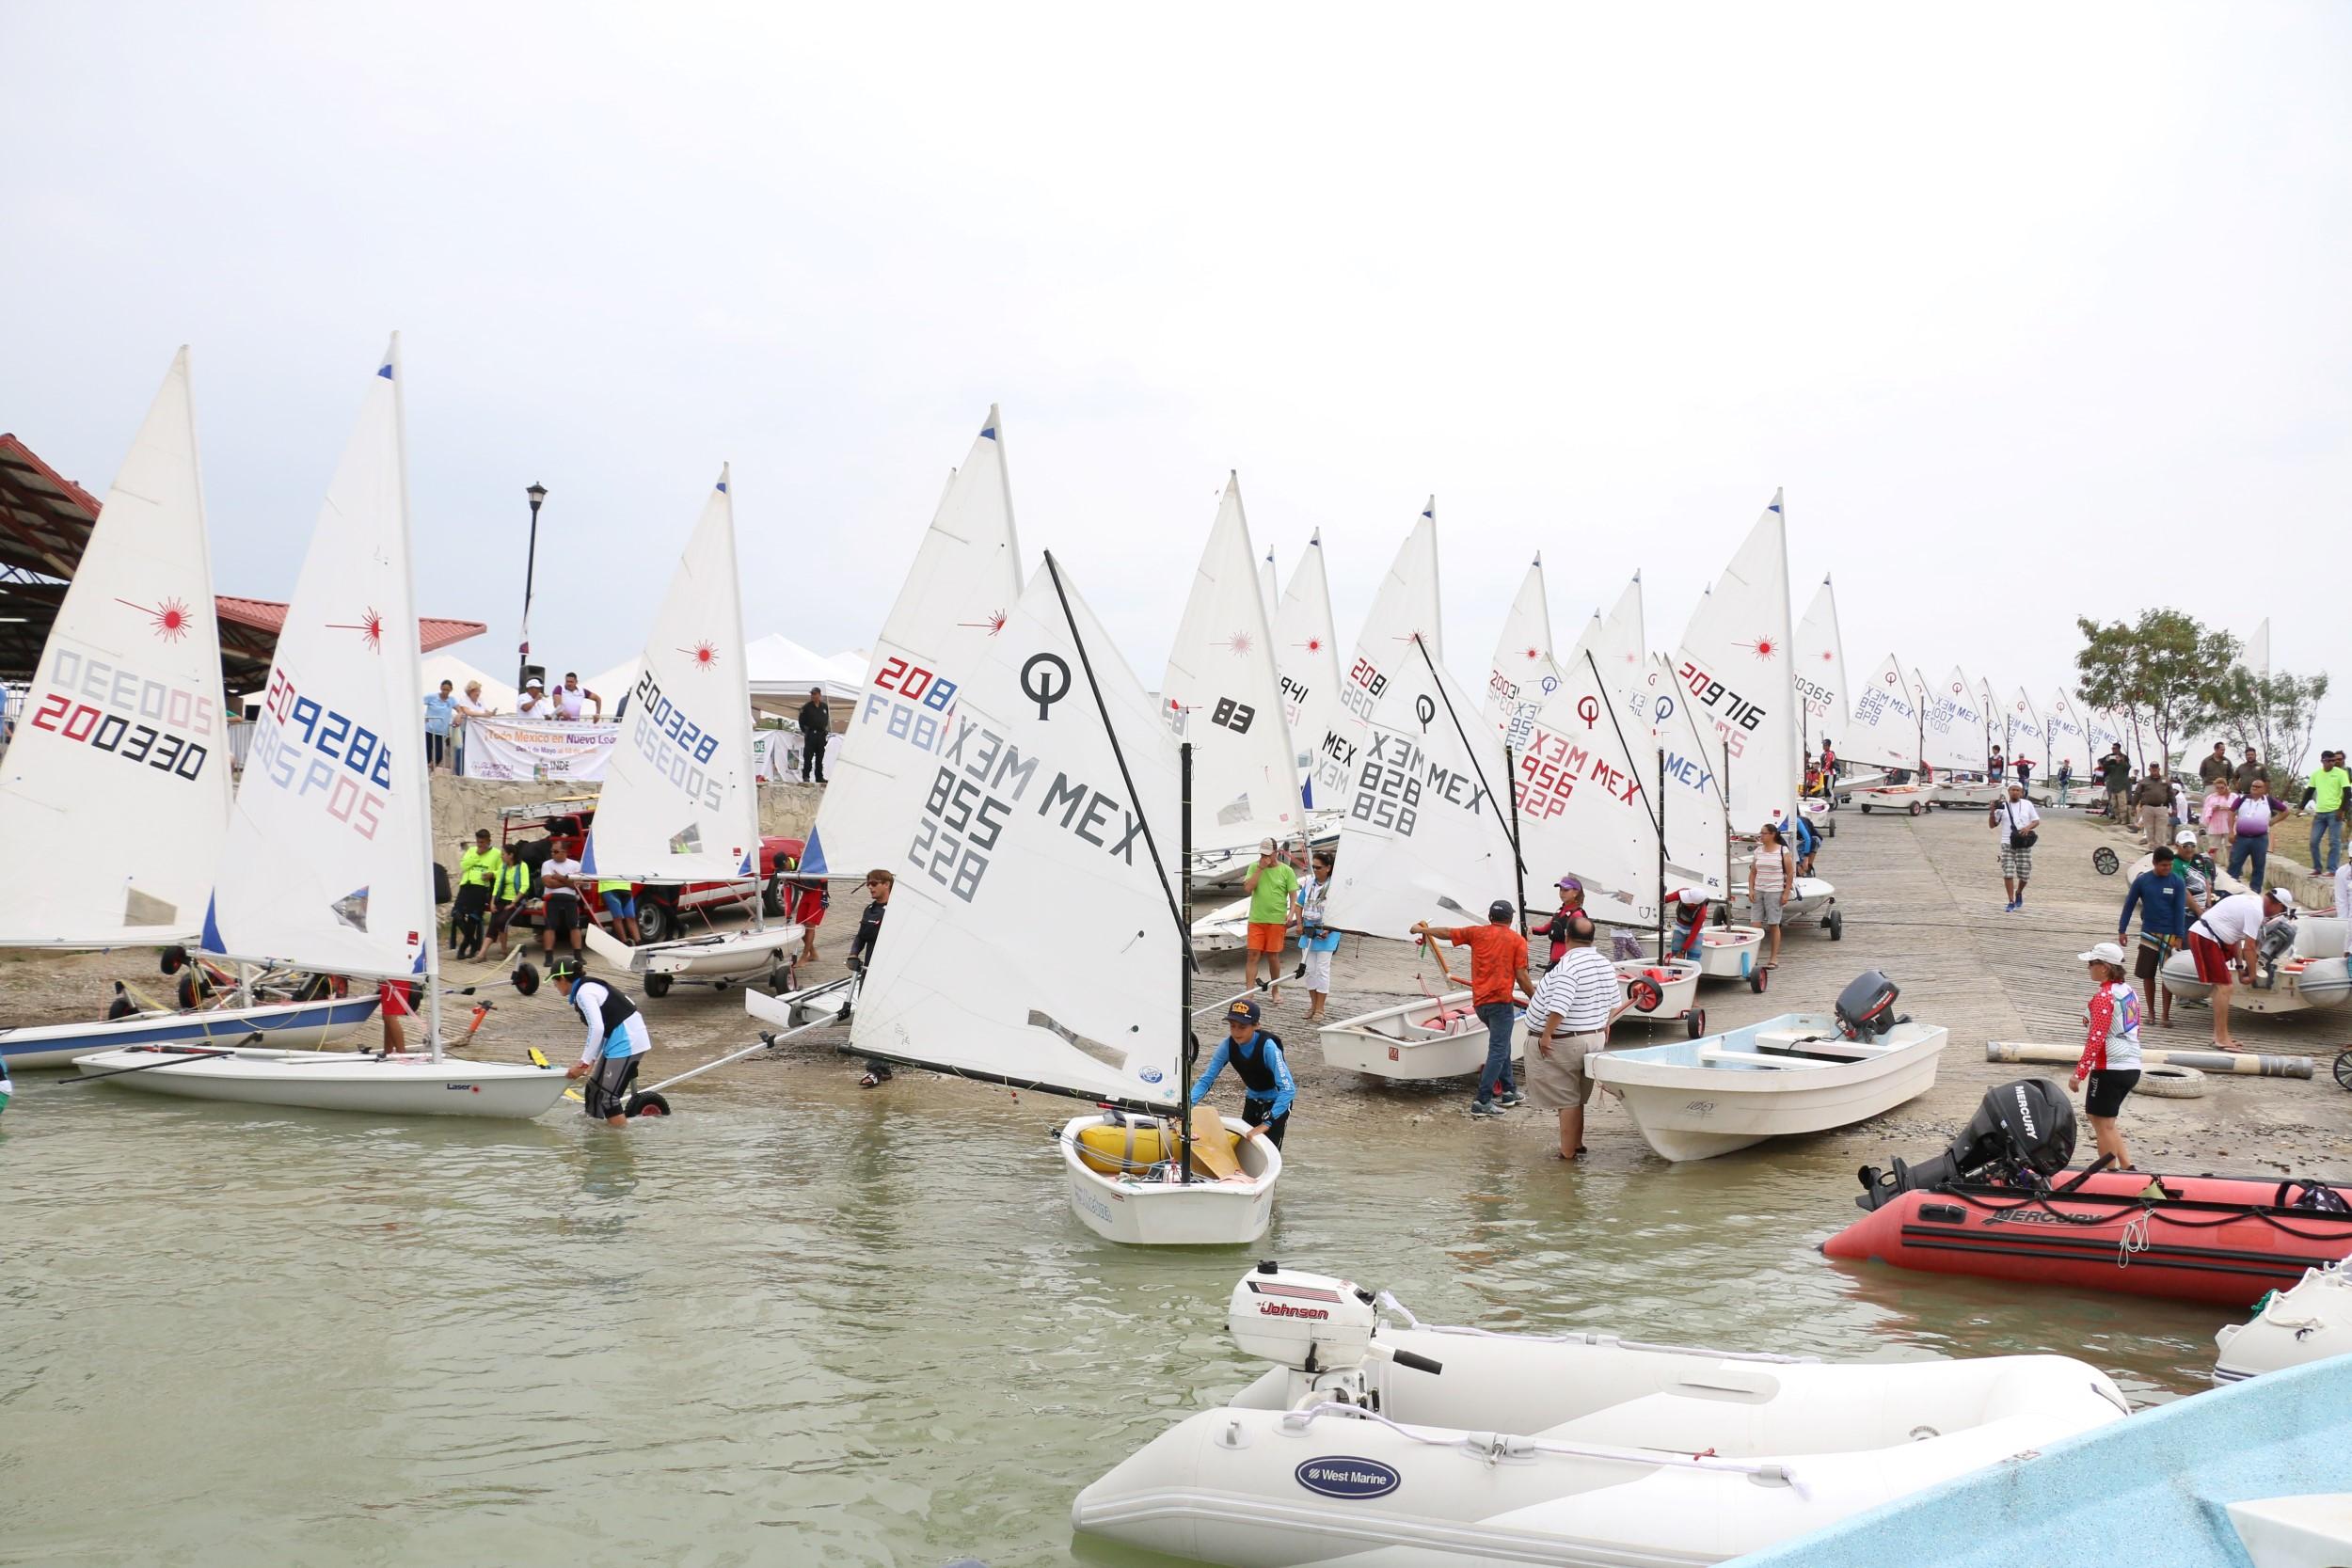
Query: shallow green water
(833, 1331)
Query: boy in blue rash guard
(1256, 1058)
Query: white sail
(1524, 673)
(1948, 742)
(1996, 719)
(328, 863)
(1426, 836)
(679, 803)
(2257, 660)
(2068, 734)
(114, 795)
(1404, 608)
(1882, 730)
(1584, 784)
(1222, 693)
(2106, 731)
(965, 577)
(2025, 731)
(1735, 667)
(1824, 697)
(1698, 853)
(1269, 587)
(1032, 826)
(1619, 645)
(1307, 654)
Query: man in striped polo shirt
(1571, 1008)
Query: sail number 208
(960, 824)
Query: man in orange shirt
(1498, 963)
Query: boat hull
(1730, 952)
(2104, 1237)
(292, 1025)
(1415, 1043)
(2309, 1320)
(1910, 799)
(1695, 1100)
(409, 1085)
(1808, 902)
(732, 957)
(1252, 1486)
(1137, 1212)
(1678, 992)
(1224, 929)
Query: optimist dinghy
(328, 861)
(1069, 779)
(1800, 1072)
(1417, 1447)
(679, 803)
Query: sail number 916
(960, 824)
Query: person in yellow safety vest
(620, 906)
(508, 889)
(477, 870)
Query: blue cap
(1243, 1012)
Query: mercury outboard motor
(2021, 1134)
(1866, 1008)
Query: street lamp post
(522, 669)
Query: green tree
(2162, 671)
(2273, 714)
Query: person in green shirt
(477, 872)
(2326, 797)
(1270, 883)
(509, 887)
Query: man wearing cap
(533, 703)
(2160, 895)
(1571, 1010)
(2110, 1058)
(2019, 823)
(1497, 962)
(617, 1039)
(2221, 941)
(1271, 883)
(1256, 1059)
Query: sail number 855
(961, 823)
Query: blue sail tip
(722, 487)
(384, 370)
(988, 432)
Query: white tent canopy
(497, 695)
(782, 672)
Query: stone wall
(461, 805)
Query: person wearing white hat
(1689, 926)
(2110, 1060)
(2197, 868)
(533, 703)
(2221, 941)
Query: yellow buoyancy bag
(1132, 1148)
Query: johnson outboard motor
(2021, 1135)
(1866, 1008)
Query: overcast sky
(2035, 311)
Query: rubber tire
(1644, 993)
(2105, 862)
(1758, 979)
(781, 979)
(657, 984)
(772, 896)
(1836, 923)
(1695, 1020)
(656, 922)
(2170, 1083)
(1829, 828)
(2344, 1069)
(1917, 810)
(1866, 811)
(649, 1103)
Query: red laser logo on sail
(994, 624)
(704, 654)
(370, 626)
(1238, 644)
(170, 617)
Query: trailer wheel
(2105, 862)
(657, 984)
(649, 1103)
(1866, 811)
(1836, 923)
(1916, 809)
(2344, 1069)
(1758, 979)
(780, 979)
(1695, 1020)
(1644, 993)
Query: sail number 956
(959, 825)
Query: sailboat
(1964, 746)
(1696, 827)
(1404, 608)
(679, 803)
(1822, 693)
(1427, 833)
(1059, 798)
(1269, 585)
(1307, 657)
(2070, 748)
(1223, 693)
(1884, 733)
(1523, 673)
(2028, 742)
(1619, 644)
(328, 863)
(114, 795)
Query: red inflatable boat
(2219, 1239)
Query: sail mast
(411, 641)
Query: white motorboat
(1417, 1042)
(719, 960)
(1662, 992)
(958, 983)
(2312, 971)
(1800, 1072)
(411, 1084)
(1426, 1447)
(294, 1025)
(2309, 1320)
(1126, 1186)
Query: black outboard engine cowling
(2021, 1134)
(1866, 1008)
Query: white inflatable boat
(2310, 1320)
(2314, 973)
(1420, 1041)
(1415, 1448)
